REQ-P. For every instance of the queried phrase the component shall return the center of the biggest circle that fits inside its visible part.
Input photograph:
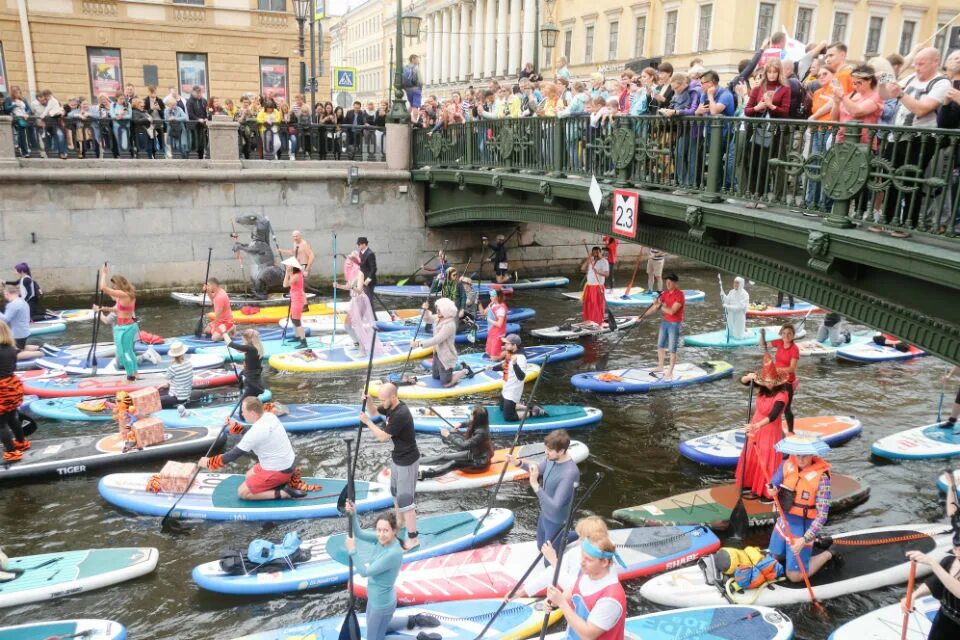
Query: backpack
(745, 577)
(263, 555)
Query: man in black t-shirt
(405, 458)
(499, 259)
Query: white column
(437, 47)
(479, 14)
(445, 53)
(502, 38)
(428, 66)
(529, 26)
(490, 40)
(514, 62)
(455, 42)
(462, 40)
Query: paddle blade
(739, 522)
(28, 425)
(342, 501)
(351, 626)
(402, 281)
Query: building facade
(88, 47)
(359, 41)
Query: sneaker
(302, 344)
(822, 542)
(422, 620)
(181, 411)
(21, 445)
(12, 456)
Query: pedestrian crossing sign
(345, 78)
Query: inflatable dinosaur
(265, 275)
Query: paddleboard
(344, 358)
(237, 300)
(192, 342)
(83, 629)
(439, 535)
(52, 575)
(577, 330)
(865, 567)
(642, 379)
(273, 315)
(872, 352)
(545, 282)
(103, 350)
(519, 619)
(712, 506)
(57, 384)
(638, 297)
(723, 622)
(108, 366)
(66, 409)
(67, 315)
(535, 355)
(463, 337)
(886, 623)
(429, 388)
(278, 346)
(46, 327)
(424, 291)
(515, 315)
(942, 481)
(919, 443)
(213, 496)
(63, 457)
(559, 416)
(719, 339)
(722, 448)
(810, 346)
(463, 480)
(325, 323)
(299, 417)
(800, 308)
(491, 571)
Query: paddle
(943, 386)
(333, 335)
(448, 423)
(97, 301)
(909, 603)
(404, 281)
(561, 549)
(406, 363)
(273, 234)
(604, 360)
(203, 301)
(28, 424)
(533, 565)
(393, 314)
(801, 326)
(342, 500)
(350, 630)
(516, 440)
(739, 522)
(636, 268)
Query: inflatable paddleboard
(46, 327)
(424, 291)
(491, 571)
(68, 316)
(919, 443)
(213, 496)
(192, 342)
(515, 315)
(722, 448)
(67, 409)
(519, 619)
(103, 350)
(57, 384)
(278, 346)
(53, 575)
(866, 567)
(439, 535)
(810, 346)
(63, 457)
(723, 622)
(800, 308)
(237, 300)
(638, 297)
(886, 623)
(344, 358)
(325, 323)
(720, 340)
(642, 379)
(872, 352)
(273, 315)
(559, 416)
(546, 282)
(84, 629)
(299, 417)
(578, 330)
(108, 366)
(712, 506)
(535, 355)
(942, 481)
(463, 480)
(429, 388)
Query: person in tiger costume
(11, 396)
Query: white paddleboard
(887, 622)
(579, 330)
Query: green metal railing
(897, 179)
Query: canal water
(636, 447)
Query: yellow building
(359, 41)
(87, 47)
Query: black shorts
(295, 322)
(501, 272)
(21, 343)
(957, 399)
(509, 409)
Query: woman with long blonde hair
(125, 329)
(11, 396)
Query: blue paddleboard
(559, 416)
(66, 408)
(535, 355)
(642, 379)
(519, 314)
(300, 417)
(193, 343)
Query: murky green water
(636, 446)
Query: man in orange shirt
(836, 61)
(820, 137)
(222, 323)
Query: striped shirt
(180, 376)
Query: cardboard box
(145, 401)
(175, 477)
(148, 431)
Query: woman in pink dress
(765, 430)
(496, 314)
(293, 278)
(360, 318)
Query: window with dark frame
(670, 33)
(764, 22)
(706, 21)
(874, 31)
(640, 36)
(588, 45)
(614, 40)
(906, 37)
(804, 24)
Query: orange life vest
(804, 485)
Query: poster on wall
(3, 73)
(192, 72)
(273, 77)
(106, 75)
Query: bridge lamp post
(301, 9)
(407, 25)
(547, 32)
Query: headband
(587, 547)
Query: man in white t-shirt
(514, 368)
(921, 95)
(268, 441)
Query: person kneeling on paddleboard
(802, 484)
(594, 605)
(951, 422)
(834, 329)
(252, 350)
(474, 449)
(179, 385)
(514, 368)
(444, 341)
(270, 478)
(222, 323)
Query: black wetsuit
(252, 369)
(474, 453)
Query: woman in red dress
(765, 430)
(294, 279)
(496, 313)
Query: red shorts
(223, 327)
(262, 480)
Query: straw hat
(176, 349)
(803, 445)
(292, 262)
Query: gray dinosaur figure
(265, 275)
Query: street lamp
(548, 33)
(409, 26)
(303, 11)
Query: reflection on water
(636, 446)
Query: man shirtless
(302, 251)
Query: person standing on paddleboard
(501, 268)
(360, 317)
(655, 263)
(559, 476)
(30, 291)
(594, 294)
(802, 484)
(473, 448)
(764, 431)
(671, 302)
(302, 251)
(735, 304)
(293, 279)
(16, 315)
(125, 328)
(786, 357)
(222, 323)
(611, 246)
(368, 266)
(951, 422)
(405, 458)
(496, 313)
(443, 341)
(252, 350)
(272, 478)
(11, 397)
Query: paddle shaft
(909, 603)
(406, 363)
(333, 336)
(363, 402)
(739, 521)
(726, 320)
(561, 549)
(803, 321)
(424, 265)
(636, 268)
(98, 301)
(623, 333)
(203, 298)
